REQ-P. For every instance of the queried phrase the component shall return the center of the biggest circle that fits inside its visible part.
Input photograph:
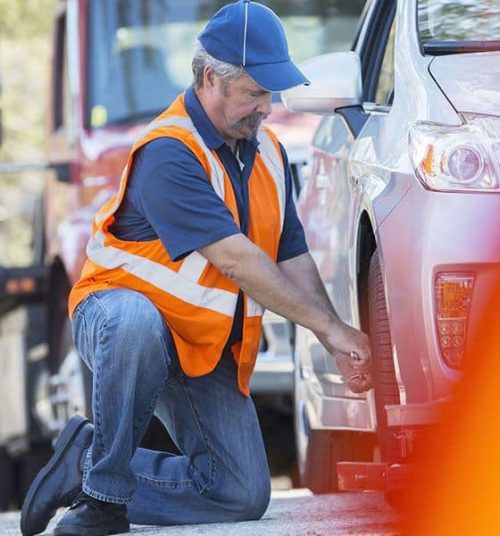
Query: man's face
(241, 106)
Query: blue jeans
(222, 474)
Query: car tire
(325, 449)
(8, 486)
(384, 376)
(319, 451)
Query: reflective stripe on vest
(220, 301)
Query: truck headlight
(458, 158)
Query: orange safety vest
(197, 301)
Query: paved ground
(291, 513)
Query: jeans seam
(150, 409)
(205, 440)
(165, 483)
(104, 497)
(105, 314)
(84, 326)
(97, 375)
(86, 465)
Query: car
(402, 216)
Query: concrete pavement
(291, 513)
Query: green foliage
(25, 19)
(25, 52)
(25, 44)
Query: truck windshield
(447, 26)
(140, 51)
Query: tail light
(453, 294)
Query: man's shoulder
(166, 147)
(163, 154)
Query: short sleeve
(170, 188)
(293, 241)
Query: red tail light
(453, 294)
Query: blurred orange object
(457, 492)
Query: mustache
(251, 121)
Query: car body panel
(411, 267)
(476, 94)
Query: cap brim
(276, 76)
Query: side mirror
(335, 83)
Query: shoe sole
(72, 429)
(71, 530)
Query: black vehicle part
(326, 448)
(384, 375)
(22, 454)
(355, 118)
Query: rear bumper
(427, 234)
(415, 414)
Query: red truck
(116, 64)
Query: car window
(385, 85)
(375, 54)
(140, 52)
(463, 20)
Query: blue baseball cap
(250, 35)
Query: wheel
(319, 451)
(384, 376)
(325, 449)
(71, 378)
(77, 379)
(8, 485)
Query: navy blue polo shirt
(169, 197)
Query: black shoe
(60, 481)
(89, 517)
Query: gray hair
(201, 59)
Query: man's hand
(351, 349)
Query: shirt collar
(210, 135)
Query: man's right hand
(351, 349)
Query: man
(201, 236)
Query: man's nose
(265, 106)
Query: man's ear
(209, 77)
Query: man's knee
(259, 499)
(131, 312)
(133, 326)
(248, 501)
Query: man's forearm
(303, 273)
(257, 275)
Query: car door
(331, 201)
